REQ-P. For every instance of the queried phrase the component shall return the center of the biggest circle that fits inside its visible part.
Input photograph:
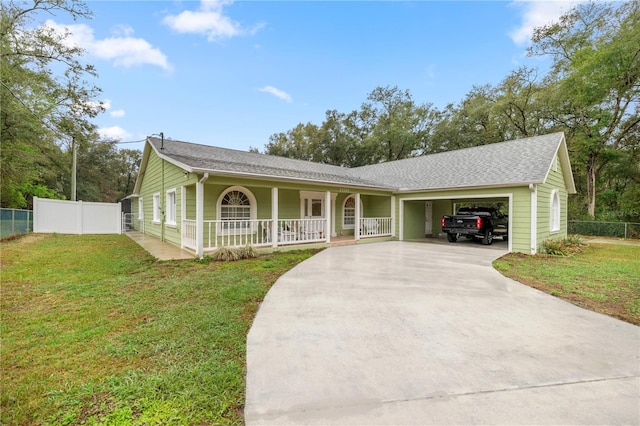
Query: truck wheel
(452, 238)
(487, 239)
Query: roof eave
(462, 188)
(219, 172)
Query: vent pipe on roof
(161, 140)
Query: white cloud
(113, 133)
(536, 14)
(117, 113)
(277, 93)
(209, 20)
(121, 49)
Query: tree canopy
(46, 105)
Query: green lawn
(604, 277)
(94, 331)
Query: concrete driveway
(418, 333)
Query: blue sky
(231, 74)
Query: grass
(95, 331)
(604, 277)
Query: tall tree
(594, 85)
(401, 128)
(43, 89)
(389, 126)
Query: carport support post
(274, 217)
(356, 227)
(327, 216)
(393, 215)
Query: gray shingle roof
(216, 159)
(517, 162)
(520, 161)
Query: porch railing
(228, 233)
(258, 233)
(375, 227)
(297, 231)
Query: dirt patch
(24, 238)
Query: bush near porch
(95, 331)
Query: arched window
(555, 211)
(236, 207)
(349, 212)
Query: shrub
(226, 254)
(230, 254)
(563, 247)
(248, 252)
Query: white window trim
(253, 208)
(171, 208)
(344, 203)
(157, 209)
(140, 209)
(554, 212)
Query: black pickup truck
(476, 222)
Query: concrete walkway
(159, 249)
(414, 333)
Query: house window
(555, 211)
(157, 208)
(171, 206)
(349, 212)
(236, 208)
(140, 209)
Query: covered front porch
(215, 214)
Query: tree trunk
(591, 185)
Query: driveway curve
(419, 333)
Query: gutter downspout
(200, 215)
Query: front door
(428, 219)
(313, 208)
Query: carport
(420, 216)
(531, 177)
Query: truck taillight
(442, 221)
(479, 223)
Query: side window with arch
(555, 211)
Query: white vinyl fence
(76, 217)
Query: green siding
(440, 208)
(160, 177)
(288, 204)
(413, 220)
(521, 220)
(375, 206)
(554, 181)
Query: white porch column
(274, 217)
(200, 216)
(356, 228)
(183, 213)
(328, 215)
(393, 215)
(333, 217)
